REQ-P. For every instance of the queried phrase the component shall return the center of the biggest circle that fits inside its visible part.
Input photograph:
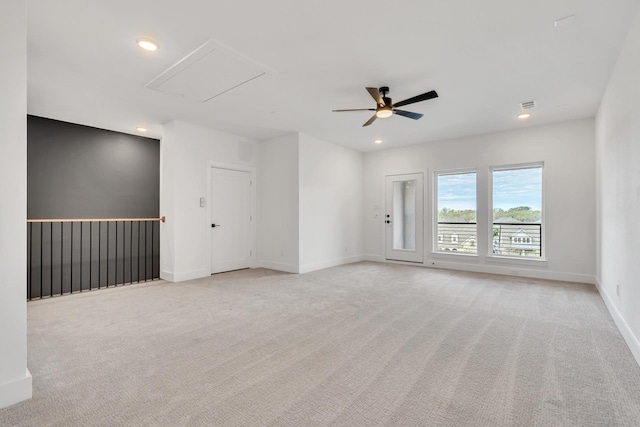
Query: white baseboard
(184, 275)
(628, 335)
(515, 270)
(374, 258)
(279, 266)
(505, 270)
(16, 391)
(166, 275)
(306, 268)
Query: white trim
(513, 260)
(435, 208)
(306, 268)
(279, 266)
(418, 254)
(185, 275)
(473, 265)
(374, 258)
(543, 228)
(511, 271)
(166, 275)
(451, 256)
(16, 391)
(632, 341)
(242, 168)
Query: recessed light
(378, 141)
(147, 44)
(141, 129)
(524, 116)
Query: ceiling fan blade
(375, 94)
(371, 120)
(355, 109)
(423, 97)
(414, 116)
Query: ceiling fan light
(384, 112)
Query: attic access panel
(207, 72)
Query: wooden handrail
(162, 219)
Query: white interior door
(404, 222)
(230, 220)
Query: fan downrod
(384, 90)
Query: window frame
(490, 237)
(435, 234)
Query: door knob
(215, 225)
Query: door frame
(211, 164)
(421, 229)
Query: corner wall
(310, 204)
(618, 190)
(568, 152)
(331, 231)
(278, 204)
(15, 379)
(185, 154)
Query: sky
(511, 188)
(457, 191)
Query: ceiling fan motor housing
(383, 91)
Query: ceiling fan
(385, 108)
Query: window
(526, 240)
(456, 212)
(517, 211)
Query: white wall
(186, 152)
(618, 182)
(568, 152)
(278, 213)
(15, 379)
(330, 204)
(309, 204)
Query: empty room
(351, 213)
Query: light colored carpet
(358, 345)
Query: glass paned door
(404, 217)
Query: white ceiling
(483, 58)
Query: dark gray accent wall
(76, 171)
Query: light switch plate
(203, 202)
